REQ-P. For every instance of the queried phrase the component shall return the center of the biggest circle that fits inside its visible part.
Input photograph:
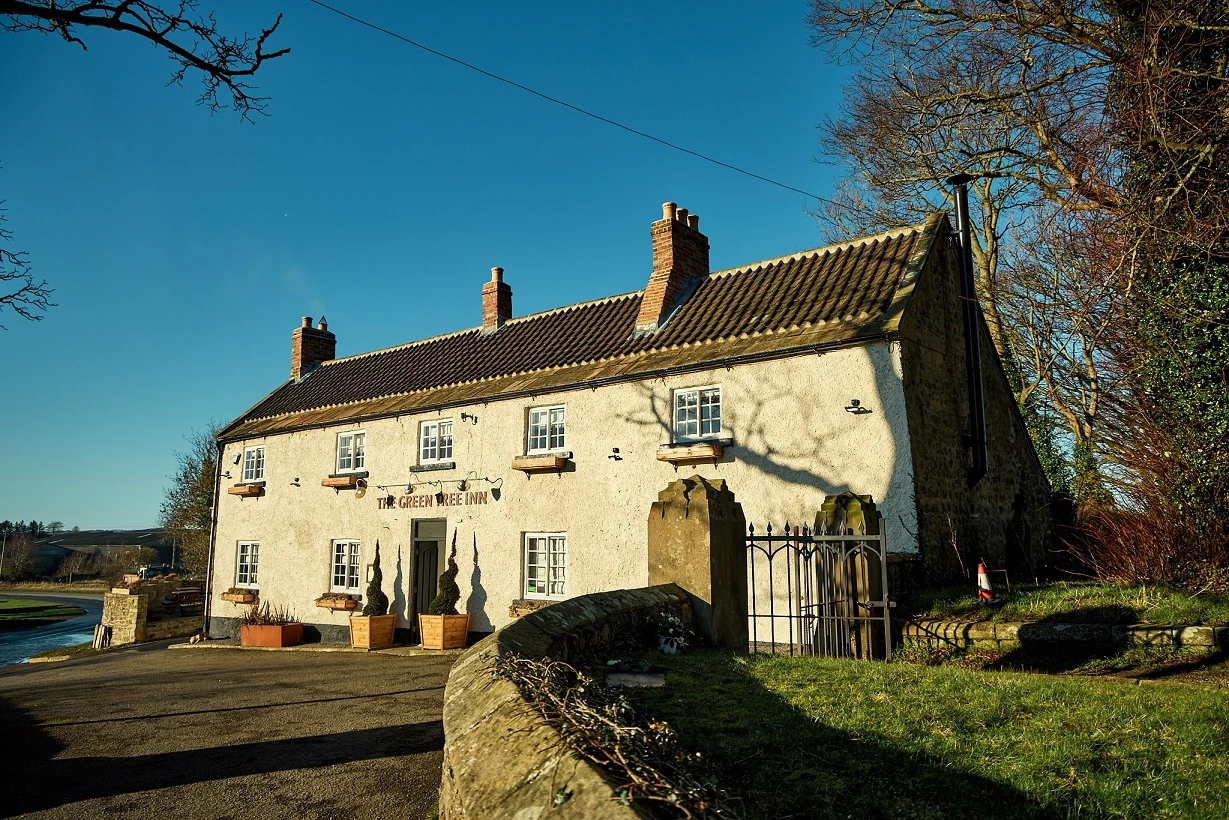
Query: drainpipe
(213, 534)
(972, 332)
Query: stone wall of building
(501, 759)
(1005, 517)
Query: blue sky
(384, 185)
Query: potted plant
(270, 626)
(443, 628)
(374, 628)
(337, 601)
(239, 595)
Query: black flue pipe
(977, 442)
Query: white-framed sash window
(247, 564)
(345, 576)
(351, 452)
(435, 442)
(546, 564)
(697, 413)
(547, 429)
(254, 464)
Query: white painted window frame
(555, 577)
(358, 451)
(346, 562)
(247, 564)
(699, 392)
(257, 471)
(436, 442)
(550, 447)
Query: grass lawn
(814, 737)
(1079, 603)
(78, 650)
(17, 613)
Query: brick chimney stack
(309, 346)
(496, 302)
(680, 261)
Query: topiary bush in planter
(374, 628)
(443, 628)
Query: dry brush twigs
(643, 759)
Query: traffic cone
(984, 591)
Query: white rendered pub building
(538, 443)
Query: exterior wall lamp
(855, 407)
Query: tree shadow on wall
(475, 604)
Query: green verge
(815, 737)
(19, 613)
(1078, 603)
(74, 651)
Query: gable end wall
(1005, 518)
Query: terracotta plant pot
(271, 635)
(443, 631)
(372, 631)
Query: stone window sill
(438, 465)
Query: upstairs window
(697, 413)
(546, 564)
(435, 442)
(247, 564)
(345, 566)
(351, 452)
(547, 431)
(254, 464)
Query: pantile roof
(837, 294)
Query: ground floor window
(247, 564)
(345, 566)
(546, 564)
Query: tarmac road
(215, 733)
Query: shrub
(377, 601)
(445, 601)
(265, 615)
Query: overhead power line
(563, 103)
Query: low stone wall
(1004, 635)
(174, 628)
(501, 759)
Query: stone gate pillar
(697, 539)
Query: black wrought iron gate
(818, 593)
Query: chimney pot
(680, 263)
(496, 302)
(309, 346)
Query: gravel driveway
(211, 733)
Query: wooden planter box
(337, 604)
(246, 490)
(239, 597)
(690, 453)
(540, 464)
(443, 631)
(341, 482)
(272, 635)
(372, 631)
